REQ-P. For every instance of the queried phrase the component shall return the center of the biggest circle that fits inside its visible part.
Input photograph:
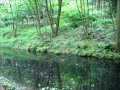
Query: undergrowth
(66, 42)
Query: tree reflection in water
(67, 72)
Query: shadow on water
(66, 72)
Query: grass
(66, 42)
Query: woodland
(59, 44)
(82, 27)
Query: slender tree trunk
(58, 16)
(14, 26)
(98, 4)
(49, 17)
(37, 15)
(118, 27)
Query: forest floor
(72, 41)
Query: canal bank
(62, 44)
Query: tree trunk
(58, 16)
(49, 17)
(14, 26)
(99, 4)
(118, 27)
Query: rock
(2, 88)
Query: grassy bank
(66, 42)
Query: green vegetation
(86, 28)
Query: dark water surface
(59, 72)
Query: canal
(57, 72)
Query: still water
(59, 72)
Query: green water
(59, 72)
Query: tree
(58, 16)
(14, 23)
(118, 27)
(50, 15)
(98, 4)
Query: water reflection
(66, 72)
